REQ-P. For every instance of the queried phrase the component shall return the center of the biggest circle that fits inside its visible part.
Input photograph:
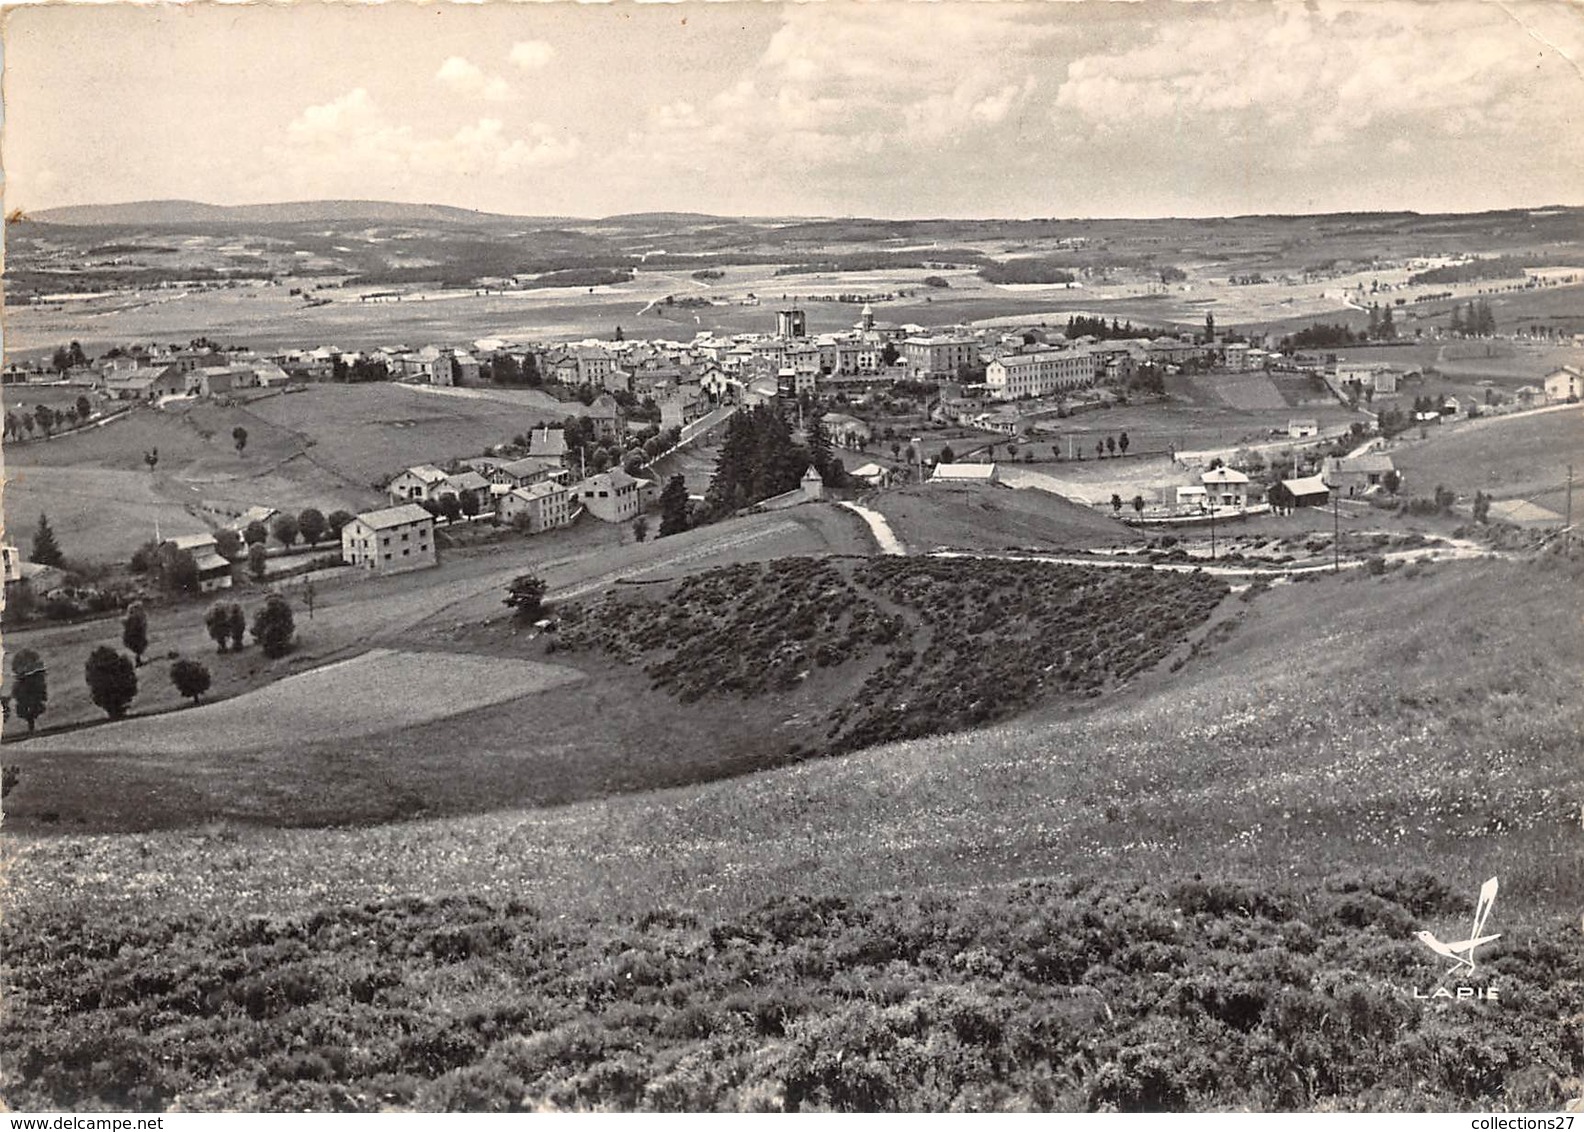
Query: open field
(355, 613)
(381, 690)
(322, 447)
(1235, 851)
(467, 733)
(1515, 457)
(994, 518)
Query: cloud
(531, 54)
(1326, 73)
(468, 78)
(353, 136)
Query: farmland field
(323, 447)
(381, 690)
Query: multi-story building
(1040, 372)
(938, 357)
(390, 540)
(613, 496)
(539, 507)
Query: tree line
(112, 677)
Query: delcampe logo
(1461, 952)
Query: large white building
(542, 506)
(390, 540)
(1039, 372)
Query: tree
(947, 456)
(239, 438)
(1138, 505)
(12, 425)
(640, 528)
(674, 507)
(1391, 481)
(191, 678)
(217, 622)
(228, 544)
(889, 354)
(338, 520)
(1482, 504)
(258, 558)
(1116, 504)
(151, 458)
(84, 407)
(450, 506)
(1122, 443)
(255, 532)
(284, 529)
(1210, 327)
(238, 624)
(134, 631)
(311, 525)
(112, 681)
(1100, 450)
(29, 686)
(525, 596)
(273, 626)
(1111, 445)
(46, 551)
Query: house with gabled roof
(390, 540)
(421, 482)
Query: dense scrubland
(1092, 994)
(965, 641)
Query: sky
(890, 108)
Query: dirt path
(879, 527)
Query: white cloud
(352, 135)
(531, 54)
(468, 78)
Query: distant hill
(181, 212)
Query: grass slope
(734, 945)
(972, 517)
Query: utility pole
(1212, 531)
(1567, 526)
(1336, 533)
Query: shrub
(273, 626)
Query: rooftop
(394, 516)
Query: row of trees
(1475, 321)
(759, 459)
(112, 678)
(46, 420)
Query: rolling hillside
(1201, 893)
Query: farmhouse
(1225, 487)
(391, 540)
(965, 473)
(613, 496)
(847, 431)
(1355, 474)
(1301, 428)
(872, 474)
(528, 470)
(146, 384)
(425, 481)
(540, 507)
(471, 489)
(1565, 384)
(214, 572)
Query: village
(910, 403)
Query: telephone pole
(1336, 533)
(1567, 526)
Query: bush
(191, 679)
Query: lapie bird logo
(1461, 952)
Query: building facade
(391, 540)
